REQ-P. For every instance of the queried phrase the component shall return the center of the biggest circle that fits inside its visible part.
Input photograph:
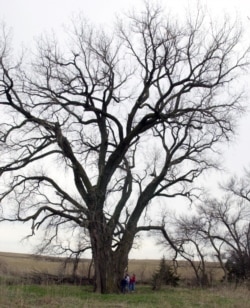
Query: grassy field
(74, 296)
(16, 292)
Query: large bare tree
(94, 131)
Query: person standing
(127, 282)
(123, 285)
(132, 283)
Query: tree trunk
(109, 265)
(109, 270)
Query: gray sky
(29, 18)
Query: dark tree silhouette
(94, 131)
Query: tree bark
(109, 265)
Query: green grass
(75, 296)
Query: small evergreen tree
(164, 275)
(238, 266)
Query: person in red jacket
(132, 283)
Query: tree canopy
(95, 130)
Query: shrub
(238, 267)
(164, 275)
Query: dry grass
(22, 264)
(145, 268)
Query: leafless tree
(185, 239)
(239, 186)
(219, 228)
(82, 125)
(62, 245)
(228, 229)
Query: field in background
(24, 264)
(15, 292)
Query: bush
(164, 275)
(238, 267)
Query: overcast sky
(29, 18)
